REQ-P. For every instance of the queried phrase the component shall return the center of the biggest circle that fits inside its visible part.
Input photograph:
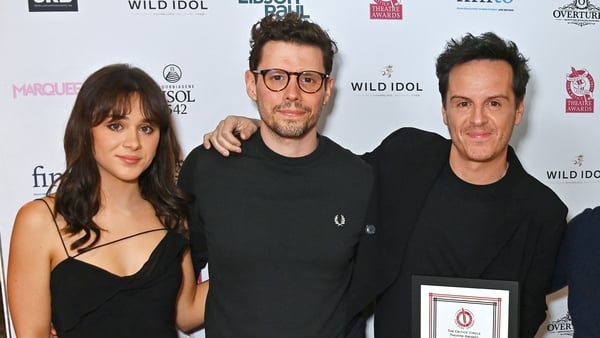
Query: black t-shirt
(279, 235)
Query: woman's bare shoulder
(36, 216)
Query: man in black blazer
(463, 207)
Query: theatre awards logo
(180, 95)
(578, 12)
(53, 6)
(464, 319)
(561, 326)
(386, 10)
(386, 84)
(580, 87)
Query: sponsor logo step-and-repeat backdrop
(197, 50)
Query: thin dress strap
(56, 224)
(118, 240)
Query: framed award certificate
(464, 308)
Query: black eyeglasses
(309, 81)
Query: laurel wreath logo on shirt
(339, 220)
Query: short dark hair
(487, 46)
(291, 27)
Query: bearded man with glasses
(279, 225)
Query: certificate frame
(442, 306)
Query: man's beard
(293, 128)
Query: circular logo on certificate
(464, 318)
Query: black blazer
(523, 240)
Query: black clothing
(88, 301)
(279, 235)
(431, 222)
(578, 267)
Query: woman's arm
(192, 297)
(29, 266)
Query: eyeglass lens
(278, 79)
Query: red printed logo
(464, 318)
(580, 87)
(386, 10)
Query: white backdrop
(384, 75)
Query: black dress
(88, 301)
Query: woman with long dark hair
(106, 254)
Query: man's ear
(328, 88)
(444, 115)
(250, 84)
(519, 112)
